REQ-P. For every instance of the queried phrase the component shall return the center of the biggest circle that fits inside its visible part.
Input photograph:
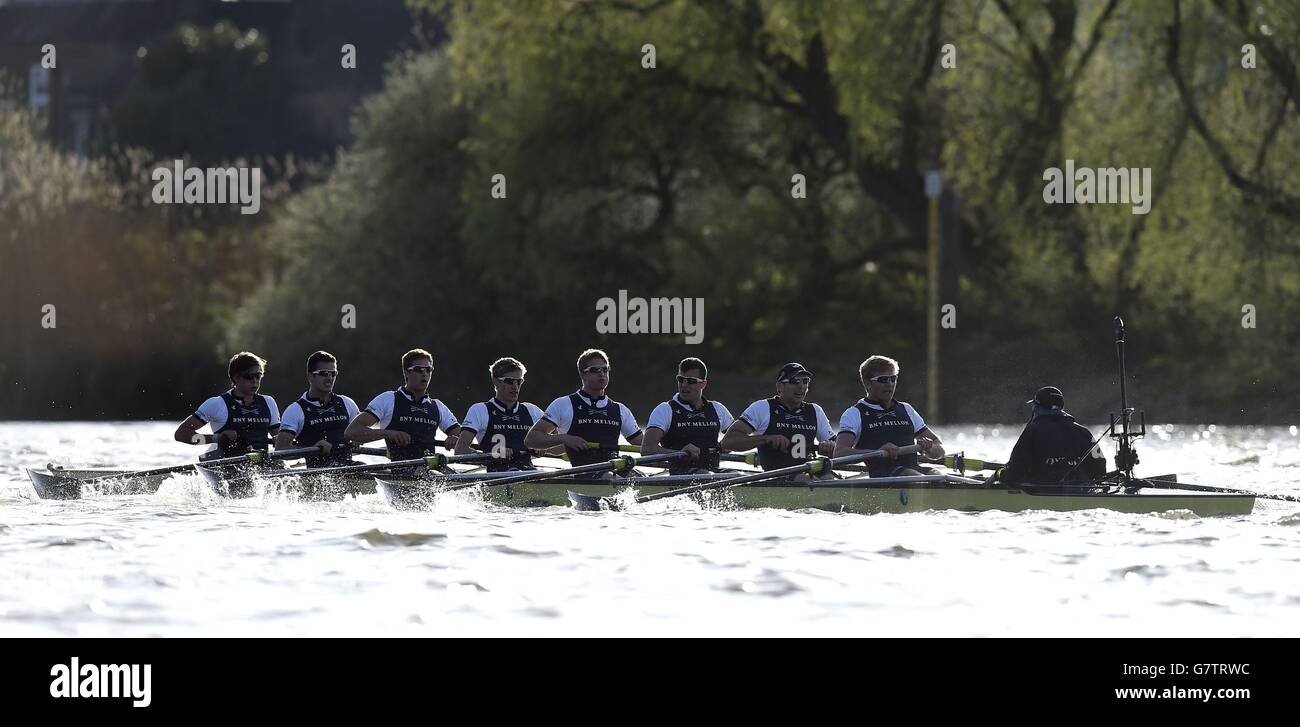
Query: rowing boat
(56, 483)
(853, 493)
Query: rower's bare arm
(636, 439)
(359, 429)
(188, 431)
(650, 443)
(463, 442)
(844, 444)
(453, 437)
(542, 436)
(930, 443)
(283, 440)
(545, 435)
(740, 437)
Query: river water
(182, 562)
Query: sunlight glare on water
(186, 562)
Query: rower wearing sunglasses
(688, 422)
(787, 429)
(500, 424)
(319, 418)
(408, 419)
(241, 419)
(879, 421)
(586, 416)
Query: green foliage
(141, 291)
(205, 93)
(675, 181)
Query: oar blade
(227, 482)
(591, 503)
(405, 492)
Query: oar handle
(961, 463)
(596, 445)
(258, 457)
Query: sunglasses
(801, 380)
(689, 380)
(510, 380)
(884, 379)
(420, 369)
(251, 376)
(328, 373)
(596, 370)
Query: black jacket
(1048, 450)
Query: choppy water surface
(182, 562)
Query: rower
(787, 429)
(241, 419)
(587, 415)
(879, 421)
(500, 424)
(319, 417)
(1053, 448)
(408, 418)
(688, 422)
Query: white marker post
(933, 188)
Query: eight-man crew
(784, 427)
(879, 421)
(320, 417)
(408, 418)
(688, 422)
(586, 416)
(500, 424)
(1053, 448)
(241, 419)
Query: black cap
(1049, 396)
(791, 370)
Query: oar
(238, 484)
(383, 451)
(1139, 483)
(432, 461)
(618, 464)
(959, 461)
(250, 458)
(595, 445)
(813, 466)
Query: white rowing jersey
(216, 412)
(560, 413)
(294, 417)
